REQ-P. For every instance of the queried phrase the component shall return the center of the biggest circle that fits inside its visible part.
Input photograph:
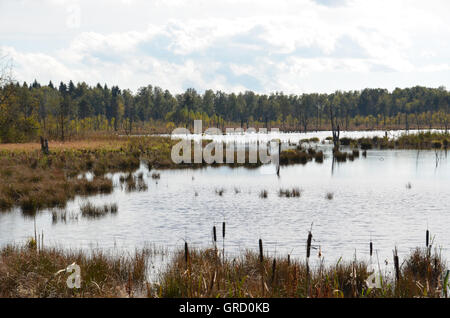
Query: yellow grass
(69, 145)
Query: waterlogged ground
(391, 197)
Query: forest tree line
(66, 110)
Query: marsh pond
(389, 196)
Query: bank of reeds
(421, 140)
(210, 275)
(32, 270)
(26, 271)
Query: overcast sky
(232, 45)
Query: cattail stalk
(223, 241)
(371, 248)
(308, 253)
(261, 261)
(308, 245)
(396, 265)
(186, 254)
(427, 238)
(261, 255)
(274, 269)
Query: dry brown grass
(69, 145)
(28, 272)
(207, 274)
(33, 181)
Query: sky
(294, 46)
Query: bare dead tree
(335, 128)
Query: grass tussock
(89, 210)
(290, 193)
(26, 271)
(340, 156)
(295, 156)
(319, 156)
(263, 194)
(156, 176)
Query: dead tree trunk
(335, 129)
(336, 132)
(44, 146)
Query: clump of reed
(63, 216)
(156, 175)
(408, 185)
(263, 194)
(329, 195)
(290, 193)
(436, 144)
(220, 191)
(365, 143)
(340, 156)
(312, 151)
(294, 156)
(26, 271)
(133, 183)
(319, 156)
(345, 141)
(89, 210)
(425, 269)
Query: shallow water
(371, 200)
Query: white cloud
(235, 45)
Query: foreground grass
(34, 271)
(30, 272)
(205, 274)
